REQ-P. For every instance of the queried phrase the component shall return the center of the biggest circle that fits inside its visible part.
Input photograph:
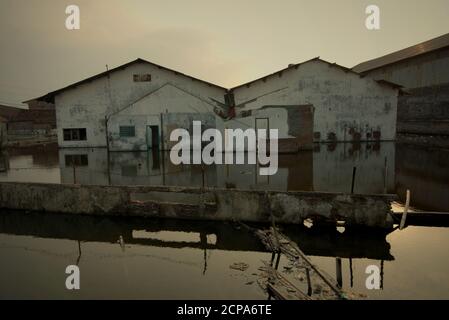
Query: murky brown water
(169, 259)
(189, 259)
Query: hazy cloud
(225, 42)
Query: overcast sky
(226, 42)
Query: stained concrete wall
(170, 108)
(294, 125)
(425, 111)
(198, 203)
(347, 107)
(86, 105)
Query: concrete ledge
(198, 203)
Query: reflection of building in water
(328, 168)
(30, 164)
(425, 172)
(333, 166)
(202, 235)
(4, 162)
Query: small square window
(127, 131)
(75, 134)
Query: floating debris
(318, 284)
(241, 266)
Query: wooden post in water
(404, 215)
(351, 273)
(338, 272)
(74, 171)
(385, 176)
(382, 274)
(79, 253)
(309, 282)
(202, 176)
(354, 170)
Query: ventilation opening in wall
(142, 77)
(127, 131)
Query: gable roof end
(49, 97)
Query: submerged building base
(200, 203)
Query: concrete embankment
(198, 203)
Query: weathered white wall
(346, 106)
(342, 99)
(278, 119)
(169, 107)
(87, 105)
(176, 108)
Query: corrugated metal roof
(416, 50)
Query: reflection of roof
(49, 97)
(416, 50)
(35, 116)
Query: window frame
(74, 134)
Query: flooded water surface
(170, 259)
(167, 259)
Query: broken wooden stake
(404, 215)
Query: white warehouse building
(136, 106)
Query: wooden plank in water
(290, 249)
(281, 288)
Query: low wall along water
(199, 203)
